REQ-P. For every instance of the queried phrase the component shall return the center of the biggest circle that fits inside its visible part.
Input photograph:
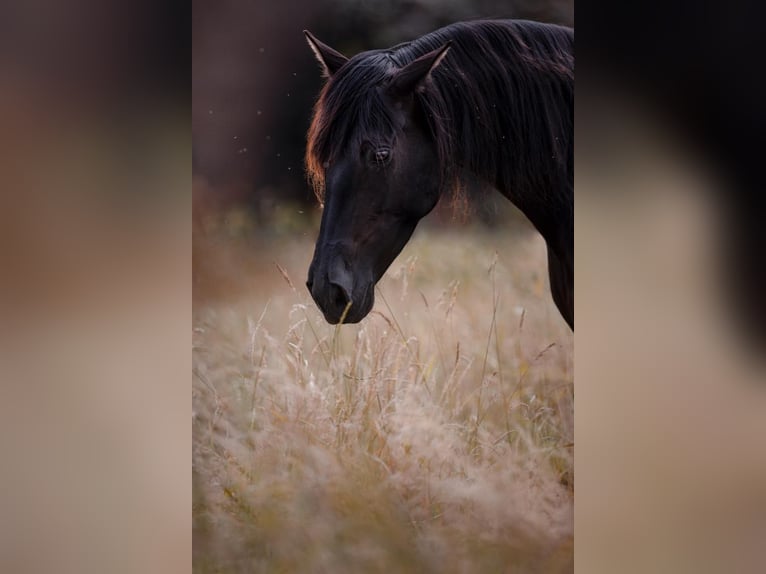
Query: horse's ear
(411, 77)
(331, 60)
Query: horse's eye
(382, 155)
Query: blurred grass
(435, 436)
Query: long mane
(500, 104)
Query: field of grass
(434, 436)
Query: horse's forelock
(349, 106)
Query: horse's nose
(340, 293)
(340, 296)
(341, 285)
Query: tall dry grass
(435, 436)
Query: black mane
(497, 95)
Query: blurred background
(95, 295)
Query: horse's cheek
(426, 192)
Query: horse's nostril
(340, 295)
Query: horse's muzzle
(340, 295)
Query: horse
(393, 130)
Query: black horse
(394, 129)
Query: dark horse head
(393, 129)
(378, 173)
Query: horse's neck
(552, 219)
